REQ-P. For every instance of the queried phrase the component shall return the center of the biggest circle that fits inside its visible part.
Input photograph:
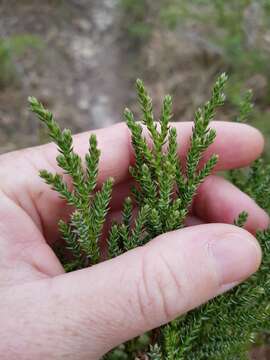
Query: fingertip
(255, 248)
(220, 201)
(237, 253)
(257, 220)
(226, 254)
(237, 144)
(256, 139)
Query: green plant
(225, 327)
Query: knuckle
(171, 287)
(160, 290)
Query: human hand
(46, 314)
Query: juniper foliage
(164, 189)
(83, 231)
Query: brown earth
(79, 72)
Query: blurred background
(81, 58)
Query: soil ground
(78, 71)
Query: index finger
(236, 144)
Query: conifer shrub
(226, 326)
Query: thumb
(90, 311)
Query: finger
(220, 201)
(83, 318)
(237, 145)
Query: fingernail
(237, 256)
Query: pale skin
(47, 314)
